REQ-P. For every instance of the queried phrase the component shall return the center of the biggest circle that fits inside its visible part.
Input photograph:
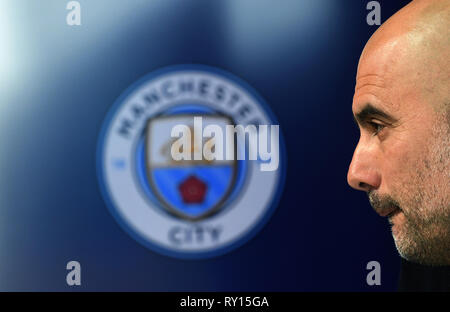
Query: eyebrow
(370, 111)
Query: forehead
(381, 75)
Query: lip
(392, 211)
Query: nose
(363, 173)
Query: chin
(431, 252)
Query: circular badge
(187, 209)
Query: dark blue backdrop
(58, 82)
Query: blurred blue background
(58, 82)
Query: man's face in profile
(402, 159)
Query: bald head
(401, 104)
(413, 46)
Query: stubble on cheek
(422, 231)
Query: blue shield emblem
(189, 189)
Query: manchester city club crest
(195, 208)
(190, 189)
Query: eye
(376, 126)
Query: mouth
(384, 205)
(393, 213)
(390, 212)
